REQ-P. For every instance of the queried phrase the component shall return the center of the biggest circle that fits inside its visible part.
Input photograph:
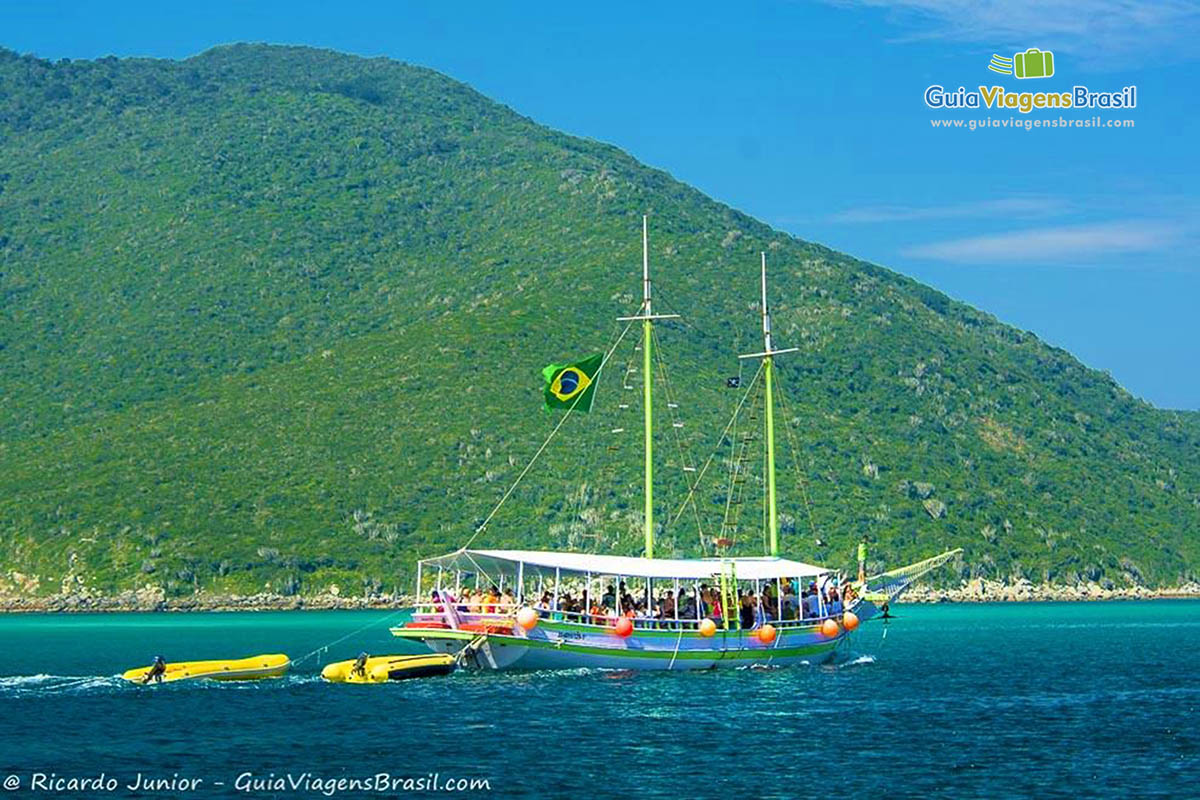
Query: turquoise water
(1021, 700)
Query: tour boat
(538, 630)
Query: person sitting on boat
(491, 601)
(436, 597)
(769, 609)
(609, 598)
(156, 671)
(649, 614)
(812, 602)
(705, 599)
(507, 601)
(715, 611)
(760, 612)
(689, 607)
(746, 611)
(788, 606)
(835, 601)
(360, 665)
(666, 610)
(464, 602)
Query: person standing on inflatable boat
(360, 665)
(156, 671)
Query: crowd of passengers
(669, 609)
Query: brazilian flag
(572, 385)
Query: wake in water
(857, 661)
(43, 685)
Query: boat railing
(505, 613)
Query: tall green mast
(767, 355)
(647, 384)
(647, 317)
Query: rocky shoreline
(983, 591)
(150, 598)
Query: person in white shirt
(812, 608)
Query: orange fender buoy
(527, 618)
(624, 627)
(830, 628)
(850, 620)
(766, 634)
(707, 627)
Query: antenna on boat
(646, 315)
(767, 356)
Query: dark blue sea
(955, 701)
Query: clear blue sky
(810, 116)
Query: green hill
(276, 316)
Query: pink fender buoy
(829, 628)
(850, 620)
(624, 627)
(766, 634)
(707, 627)
(527, 618)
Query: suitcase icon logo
(1033, 63)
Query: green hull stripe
(665, 633)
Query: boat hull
(564, 646)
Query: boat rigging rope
(683, 462)
(546, 443)
(325, 647)
(791, 439)
(700, 476)
(739, 474)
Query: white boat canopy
(545, 563)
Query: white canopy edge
(541, 562)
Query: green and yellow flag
(572, 385)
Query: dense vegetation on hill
(275, 317)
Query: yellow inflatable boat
(381, 669)
(238, 669)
